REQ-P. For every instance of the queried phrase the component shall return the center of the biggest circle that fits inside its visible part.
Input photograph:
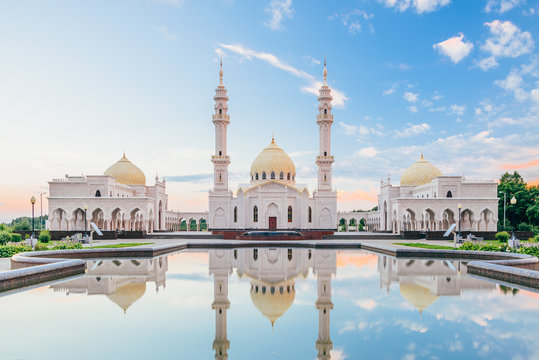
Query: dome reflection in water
(284, 303)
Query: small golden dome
(273, 159)
(421, 172)
(125, 172)
(273, 300)
(127, 294)
(419, 296)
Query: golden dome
(273, 300)
(273, 159)
(127, 294)
(125, 172)
(419, 296)
(421, 172)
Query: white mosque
(272, 199)
(427, 200)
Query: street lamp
(513, 202)
(460, 208)
(504, 203)
(41, 213)
(85, 210)
(33, 201)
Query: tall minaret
(324, 119)
(325, 265)
(219, 264)
(221, 119)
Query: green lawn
(426, 246)
(122, 245)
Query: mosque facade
(427, 200)
(118, 200)
(272, 199)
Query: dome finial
(273, 138)
(325, 70)
(124, 154)
(422, 156)
(221, 71)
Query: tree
(514, 185)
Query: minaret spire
(325, 71)
(324, 119)
(220, 119)
(221, 71)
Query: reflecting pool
(271, 303)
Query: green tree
(514, 185)
(21, 224)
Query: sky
(81, 82)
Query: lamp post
(41, 211)
(504, 203)
(85, 210)
(513, 203)
(460, 208)
(33, 201)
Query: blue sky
(83, 81)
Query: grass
(122, 245)
(426, 246)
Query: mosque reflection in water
(272, 273)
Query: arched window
(325, 177)
(325, 111)
(256, 176)
(449, 194)
(235, 214)
(288, 176)
(264, 175)
(325, 153)
(289, 254)
(310, 213)
(220, 153)
(289, 214)
(98, 193)
(281, 176)
(111, 194)
(255, 256)
(255, 214)
(272, 175)
(220, 111)
(293, 177)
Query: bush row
(530, 250)
(12, 249)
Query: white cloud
(400, 66)
(505, 40)
(348, 129)
(501, 6)
(278, 10)
(367, 304)
(512, 83)
(391, 90)
(410, 97)
(337, 354)
(339, 98)
(413, 108)
(454, 48)
(352, 20)
(420, 6)
(412, 130)
(535, 95)
(166, 34)
(457, 109)
(367, 152)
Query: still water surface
(271, 304)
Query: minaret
(325, 265)
(324, 119)
(220, 119)
(220, 268)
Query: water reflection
(422, 282)
(274, 275)
(122, 281)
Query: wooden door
(273, 222)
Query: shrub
(524, 227)
(530, 250)
(10, 250)
(469, 246)
(5, 237)
(502, 236)
(66, 245)
(4, 227)
(44, 236)
(16, 237)
(41, 247)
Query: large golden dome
(419, 296)
(273, 159)
(127, 294)
(273, 300)
(125, 172)
(421, 172)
